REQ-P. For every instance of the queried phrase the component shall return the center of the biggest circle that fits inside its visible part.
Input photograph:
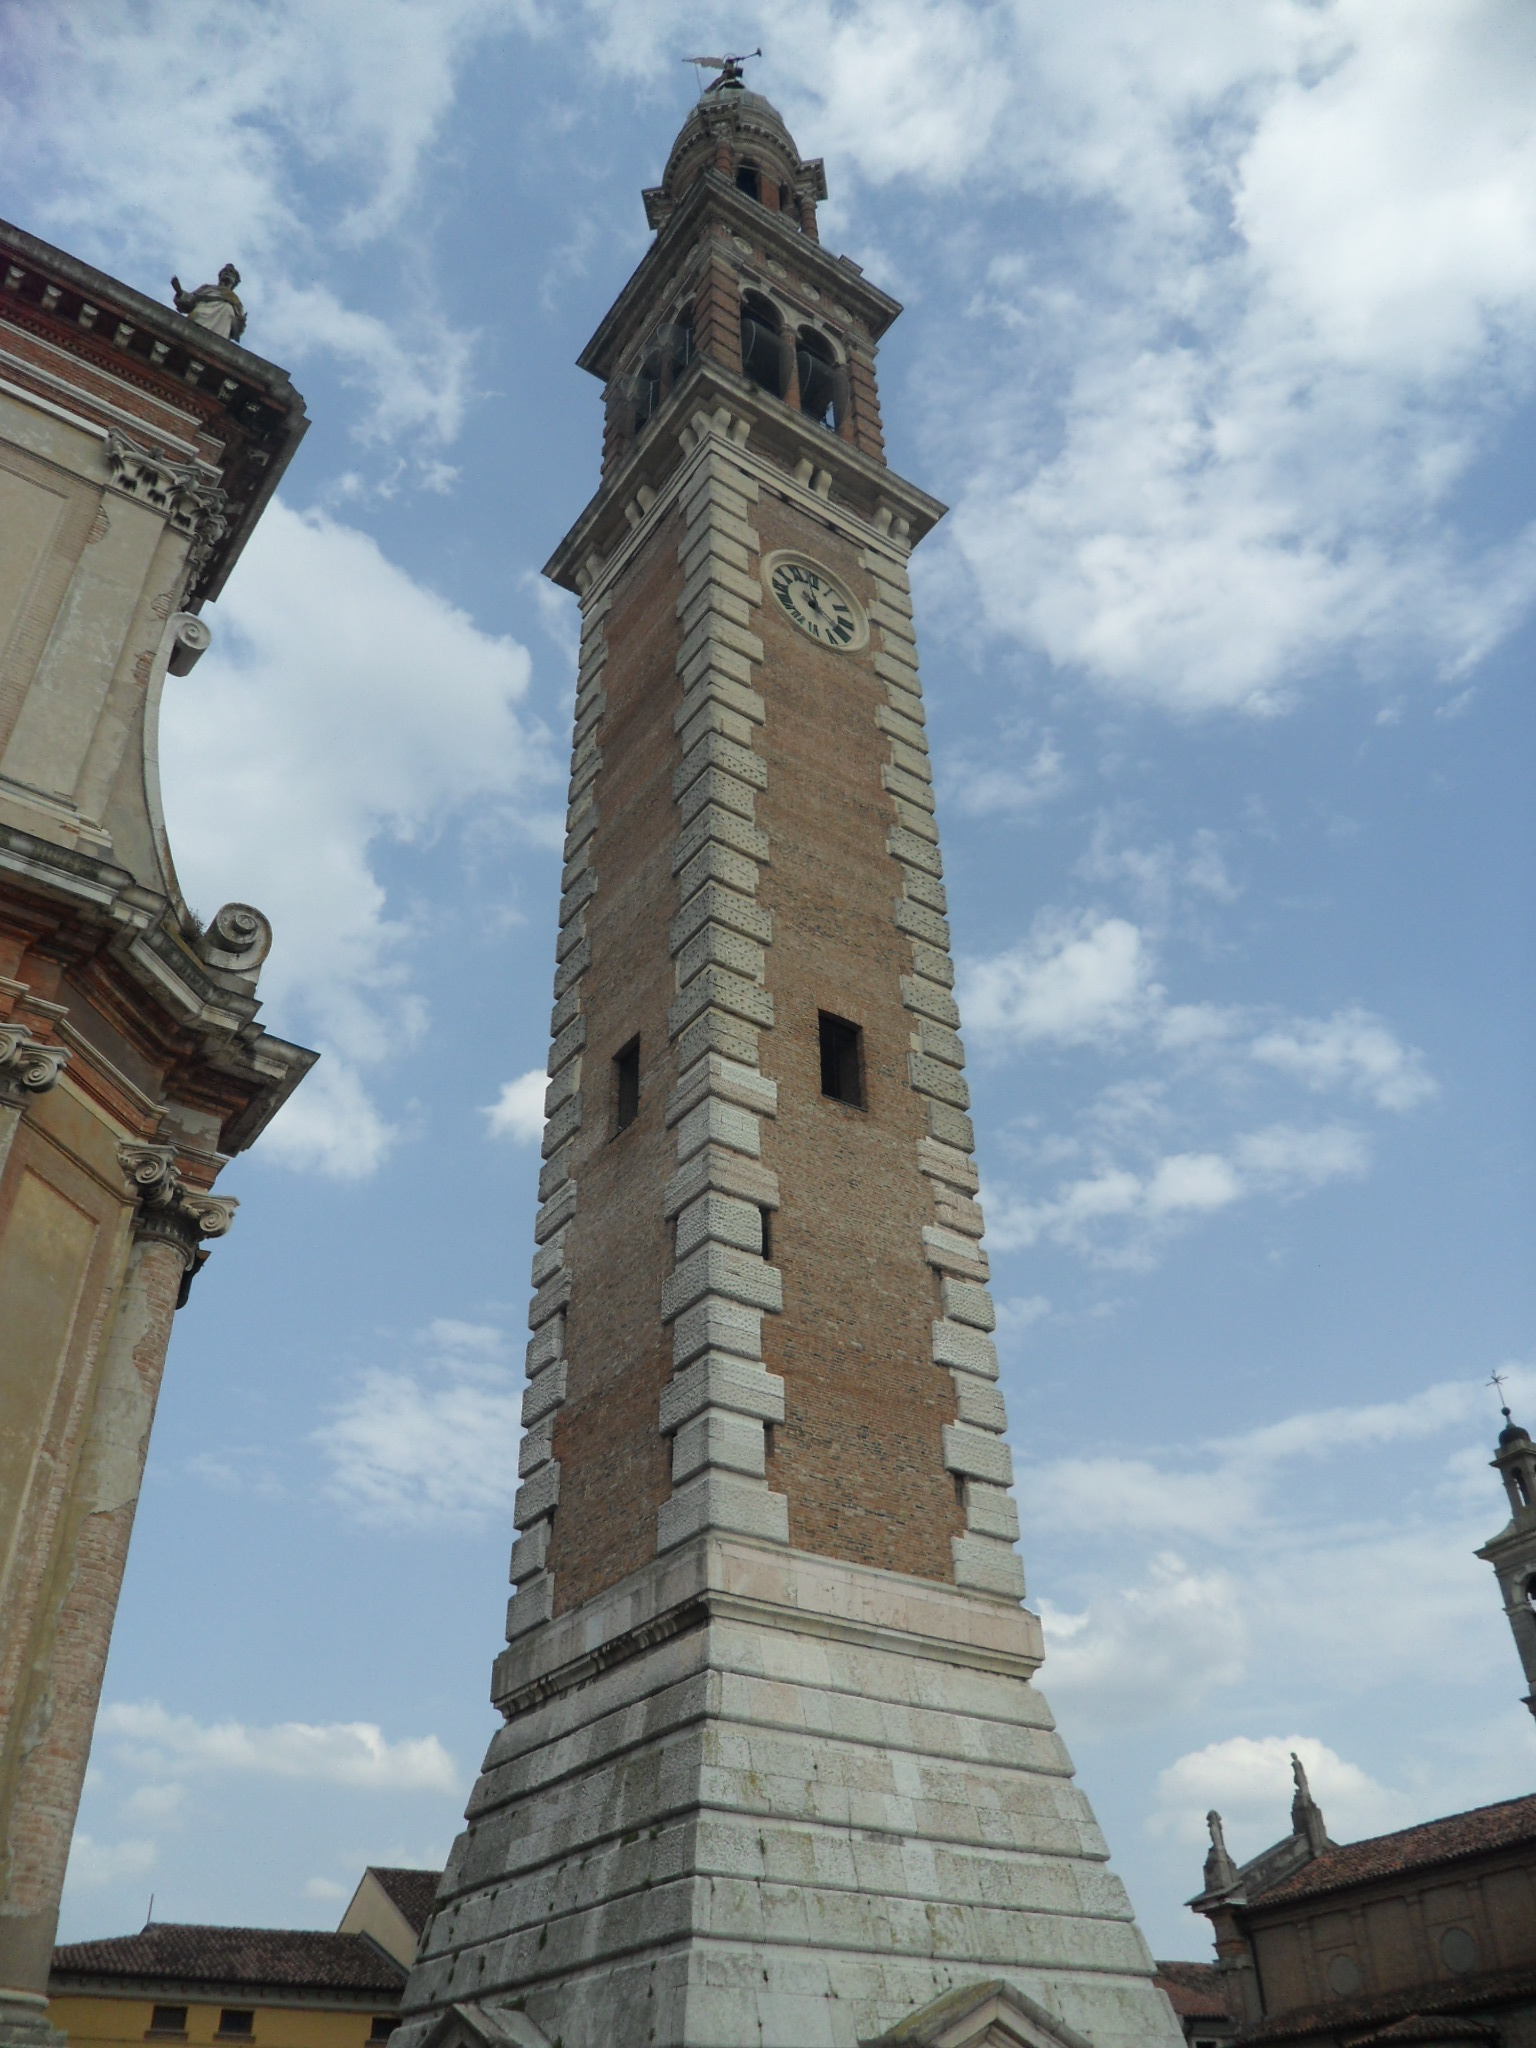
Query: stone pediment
(485, 2026)
(995, 2014)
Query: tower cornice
(714, 197)
(776, 443)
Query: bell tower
(773, 1767)
(1512, 1553)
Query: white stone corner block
(991, 1511)
(977, 1454)
(537, 1497)
(718, 1440)
(966, 1302)
(964, 1349)
(716, 1325)
(987, 1566)
(719, 1500)
(532, 1604)
(530, 1553)
(719, 1381)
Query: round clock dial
(815, 601)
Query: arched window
(762, 352)
(667, 352)
(822, 379)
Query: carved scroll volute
(27, 1066)
(238, 939)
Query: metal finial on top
(1496, 1380)
(729, 69)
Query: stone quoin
(773, 1769)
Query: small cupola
(742, 136)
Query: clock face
(816, 602)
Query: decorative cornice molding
(27, 1066)
(167, 1208)
(184, 491)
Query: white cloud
(300, 133)
(343, 706)
(1147, 1206)
(1360, 1584)
(93, 1863)
(1248, 1780)
(983, 789)
(155, 1804)
(518, 1111)
(431, 1447)
(326, 1889)
(1351, 1049)
(1072, 982)
(149, 1739)
(1158, 1646)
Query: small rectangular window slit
(767, 1216)
(842, 1059)
(626, 1086)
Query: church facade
(773, 1767)
(137, 450)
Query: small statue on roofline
(214, 306)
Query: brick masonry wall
(614, 1462)
(858, 1455)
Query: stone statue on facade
(214, 306)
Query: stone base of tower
(752, 1796)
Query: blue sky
(1220, 341)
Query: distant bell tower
(1512, 1553)
(773, 1768)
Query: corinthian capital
(168, 1209)
(27, 1066)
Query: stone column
(65, 1683)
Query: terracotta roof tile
(1503, 1826)
(413, 1891)
(1194, 1989)
(279, 1957)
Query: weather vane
(729, 68)
(1496, 1381)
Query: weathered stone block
(537, 1496)
(975, 1454)
(720, 1219)
(717, 1325)
(721, 1270)
(716, 1381)
(714, 903)
(991, 1511)
(529, 1553)
(718, 1500)
(545, 1394)
(718, 1123)
(989, 1566)
(933, 1077)
(716, 987)
(965, 1303)
(718, 1439)
(530, 1605)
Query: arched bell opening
(821, 379)
(762, 344)
(666, 352)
